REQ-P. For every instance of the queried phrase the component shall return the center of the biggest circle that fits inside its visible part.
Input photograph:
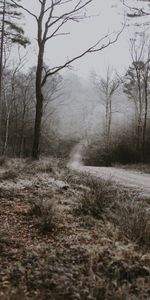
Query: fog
(80, 111)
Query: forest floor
(64, 235)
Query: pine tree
(10, 17)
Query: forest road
(128, 178)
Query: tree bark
(2, 48)
(145, 114)
(21, 150)
(39, 105)
(6, 135)
(1, 64)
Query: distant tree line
(129, 144)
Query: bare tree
(9, 97)
(51, 19)
(137, 87)
(107, 88)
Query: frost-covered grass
(104, 200)
(86, 241)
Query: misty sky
(108, 16)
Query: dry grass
(133, 218)
(16, 294)
(74, 261)
(45, 213)
(2, 161)
(97, 198)
(102, 200)
(4, 240)
(44, 165)
(9, 175)
(46, 168)
(74, 177)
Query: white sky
(84, 34)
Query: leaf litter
(79, 258)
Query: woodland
(65, 232)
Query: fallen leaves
(81, 258)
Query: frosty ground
(65, 235)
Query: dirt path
(127, 178)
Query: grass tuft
(133, 218)
(97, 198)
(2, 161)
(103, 200)
(45, 213)
(9, 175)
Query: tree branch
(138, 12)
(92, 49)
(25, 9)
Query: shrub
(9, 175)
(119, 152)
(45, 168)
(45, 212)
(102, 200)
(74, 177)
(122, 149)
(96, 155)
(2, 161)
(14, 294)
(124, 153)
(133, 218)
(4, 241)
(97, 198)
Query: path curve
(136, 180)
(127, 178)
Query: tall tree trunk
(1, 64)
(38, 85)
(145, 121)
(139, 133)
(106, 121)
(109, 118)
(6, 134)
(21, 152)
(39, 105)
(140, 122)
(2, 47)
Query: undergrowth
(104, 200)
(45, 214)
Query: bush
(75, 178)
(124, 153)
(121, 149)
(96, 155)
(45, 168)
(102, 200)
(97, 198)
(9, 175)
(14, 294)
(133, 218)
(4, 241)
(2, 161)
(120, 152)
(45, 212)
